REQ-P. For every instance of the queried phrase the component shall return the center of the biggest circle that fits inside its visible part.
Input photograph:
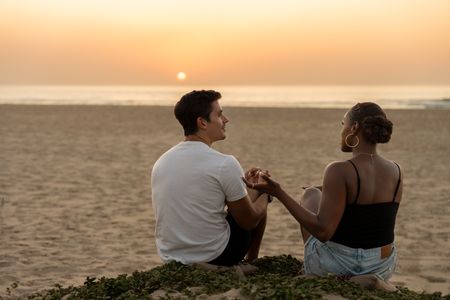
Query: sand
(75, 198)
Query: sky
(147, 42)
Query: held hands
(260, 180)
(252, 175)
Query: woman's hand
(319, 187)
(264, 184)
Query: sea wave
(398, 97)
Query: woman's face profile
(346, 126)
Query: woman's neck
(365, 151)
(358, 152)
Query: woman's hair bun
(375, 126)
(377, 129)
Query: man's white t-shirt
(190, 184)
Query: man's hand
(250, 174)
(253, 175)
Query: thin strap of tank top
(398, 182)
(357, 175)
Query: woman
(348, 226)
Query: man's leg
(257, 233)
(237, 247)
(242, 243)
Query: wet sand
(75, 198)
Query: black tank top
(367, 225)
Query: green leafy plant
(278, 277)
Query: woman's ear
(355, 127)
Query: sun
(181, 76)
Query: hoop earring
(351, 146)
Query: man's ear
(201, 123)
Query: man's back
(190, 184)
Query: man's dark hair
(193, 105)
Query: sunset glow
(288, 42)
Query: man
(191, 185)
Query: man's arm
(247, 213)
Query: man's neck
(198, 138)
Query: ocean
(394, 97)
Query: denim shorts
(329, 257)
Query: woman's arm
(323, 224)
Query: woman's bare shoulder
(338, 167)
(391, 164)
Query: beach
(75, 195)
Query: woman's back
(371, 180)
(373, 196)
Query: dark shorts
(237, 246)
